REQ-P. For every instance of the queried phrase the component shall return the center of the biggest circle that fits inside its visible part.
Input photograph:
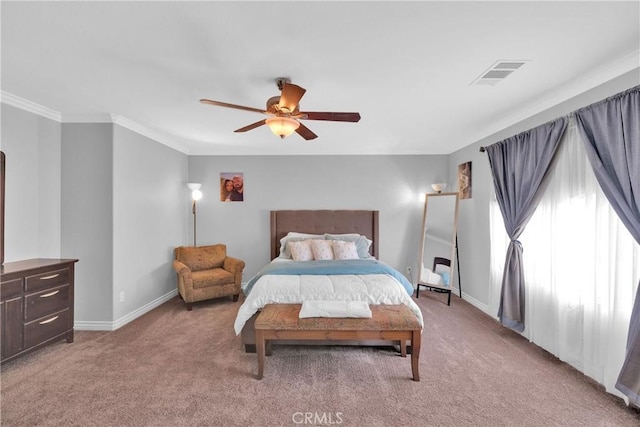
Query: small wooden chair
(437, 261)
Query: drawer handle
(50, 277)
(49, 320)
(50, 294)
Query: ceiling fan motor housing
(273, 107)
(272, 104)
(280, 82)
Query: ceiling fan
(285, 112)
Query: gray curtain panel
(610, 130)
(518, 165)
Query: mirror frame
(452, 256)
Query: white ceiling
(407, 67)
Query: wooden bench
(388, 322)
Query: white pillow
(344, 250)
(321, 249)
(441, 268)
(445, 272)
(301, 251)
(362, 243)
(293, 236)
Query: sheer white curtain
(581, 269)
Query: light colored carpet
(173, 367)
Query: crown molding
(86, 118)
(32, 107)
(149, 133)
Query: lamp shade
(196, 194)
(439, 187)
(282, 126)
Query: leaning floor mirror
(438, 248)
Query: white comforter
(294, 289)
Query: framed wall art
(464, 180)
(231, 187)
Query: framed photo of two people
(231, 187)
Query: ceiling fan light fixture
(282, 126)
(284, 112)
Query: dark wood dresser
(36, 304)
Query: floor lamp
(196, 195)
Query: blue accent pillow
(445, 277)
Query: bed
(288, 280)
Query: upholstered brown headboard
(324, 221)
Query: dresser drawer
(44, 302)
(44, 328)
(11, 288)
(47, 280)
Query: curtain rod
(573, 113)
(483, 148)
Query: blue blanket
(333, 267)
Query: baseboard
(112, 326)
(92, 326)
(477, 304)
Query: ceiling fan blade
(291, 95)
(251, 126)
(305, 132)
(237, 107)
(334, 117)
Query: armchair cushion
(202, 257)
(213, 277)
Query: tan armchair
(206, 272)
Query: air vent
(509, 65)
(497, 72)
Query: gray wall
(150, 209)
(100, 193)
(87, 216)
(390, 184)
(32, 211)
